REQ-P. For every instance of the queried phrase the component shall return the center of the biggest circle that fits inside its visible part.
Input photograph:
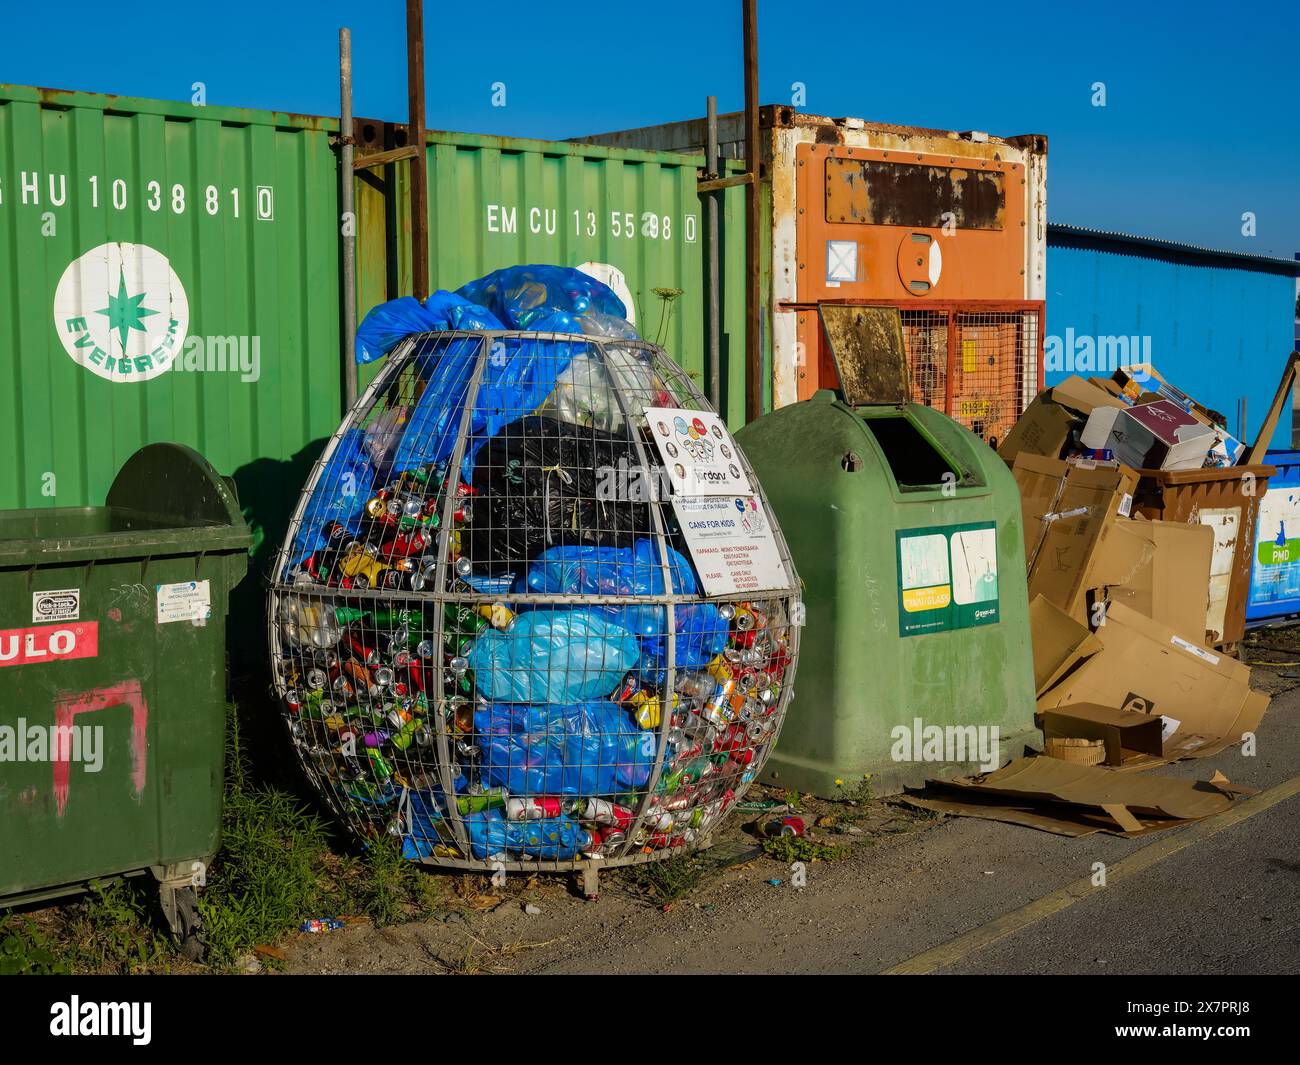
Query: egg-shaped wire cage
(487, 633)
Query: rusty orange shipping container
(950, 227)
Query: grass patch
(279, 864)
(389, 889)
(668, 880)
(269, 875)
(787, 849)
(115, 928)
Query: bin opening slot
(913, 460)
(867, 346)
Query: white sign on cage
(731, 543)
(697, 452)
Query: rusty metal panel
(882, 192)
(870, 358)
(994, 249)
(1227, 500)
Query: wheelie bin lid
(166, 500)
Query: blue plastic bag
(344, 484)
(549, 838)
(431, 425)
(585, 570)
(553, 656)
(543, 298)
(592, 748)
(388, 324)
(520, 373)
(422, 826)
(701, 636)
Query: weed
(114, 929)
(26, 951)
(391, 889)
(268, 876)
(787, 849)
(856, 794)
(473, 962)
(668, 880)
(269, 873)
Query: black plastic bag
(542, 483)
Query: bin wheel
(189, 924)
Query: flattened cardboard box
(1059, 642)
(1068, 511)
(1204, 696)
(1075, 800)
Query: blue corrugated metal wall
(1218, 327)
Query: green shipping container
(631, 218)
(203, 244)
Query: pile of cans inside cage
(480, 716)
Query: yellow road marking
(1162, 847)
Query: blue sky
(1199, 126)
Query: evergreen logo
(121, 312)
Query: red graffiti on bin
(70, 704)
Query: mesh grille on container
(978, 367)
(487, 632)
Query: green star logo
(124, 312)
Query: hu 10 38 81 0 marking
(177, 197)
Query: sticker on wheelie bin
(947, 577)
(186, 601)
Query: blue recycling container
(1275, 566)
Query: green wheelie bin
(113, 683)
(915, 659)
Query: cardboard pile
(1135, 417)
(1123, 610)
(1120, 605)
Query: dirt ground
(487, 930)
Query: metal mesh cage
(980, 367)
(488, 634)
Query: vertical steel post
(753, 241)
(349, 220)
(712, 167)
(420, 163)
